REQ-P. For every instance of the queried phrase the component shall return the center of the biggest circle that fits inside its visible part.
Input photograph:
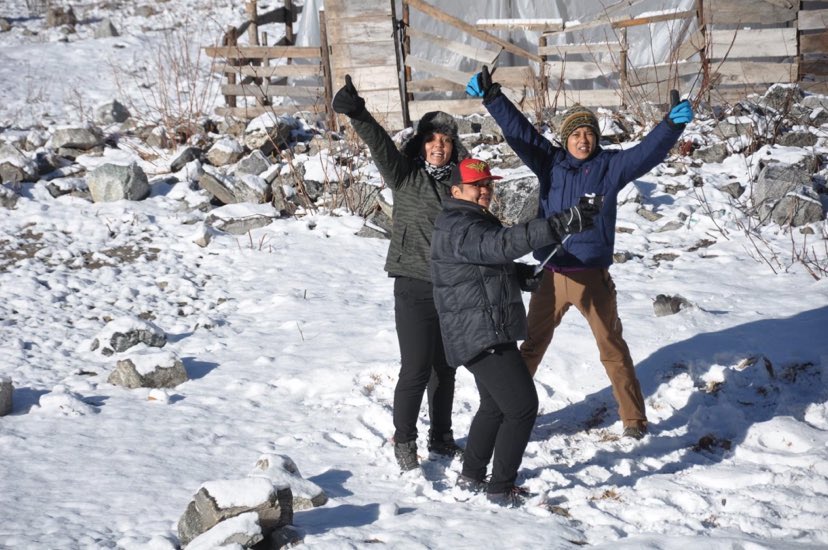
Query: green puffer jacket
(417, 196)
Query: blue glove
(475, 86)
(681, 113)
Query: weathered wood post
(327, 78)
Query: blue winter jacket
(564, 179)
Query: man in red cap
(480, 306)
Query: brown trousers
(592, 292)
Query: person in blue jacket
(578, 273)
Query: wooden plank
(457, 107)
(588, 98)
(562, 50)
(434, 85)
(694, 43)
(271, 71)
(365, 54)
(620, 22)
(367, 79)
(484, 56)
(463, 26)
(638, 21)
(543, 25)
(579, 70)
(752, 43)
(641, 76)
(364, 29)
(815, 67)
(253, 111)
(514, 77)
(259, 52)
(752, 72)
(813, 43)
(272, 90)
(435, 69)
(813, 20)
(340, 9)
(747, 12)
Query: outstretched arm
(534, 150)
(392, 165)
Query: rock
(282, 471)
(240, 219)
(224, 151)
(781, 97)
(112, 182)
(58, 17)
(217, 185)
(797, 210)
(251, 188)
(516, 200)
(668, 305)
(732, 188)
(239, 531)
(112, 113)
(6, 391)
(648, 214)
(186, 156)
(5, 26)
(106, 30)
(797, 139)
(125, 332)
(152, 369)
(8, 198)
(217, 501)
(84, 139)
(15, 166)
(716, 153)
(777, 181)
(255, 163)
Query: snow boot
(406, 455)
(444, 444)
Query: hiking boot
(465, 483)
(635, 431)
(444, 444)
(513, 497)
(406, 455)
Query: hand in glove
(528, 279)
(682, 113)
(481, 85)
(579, 217)
(347, 100)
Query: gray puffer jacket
(476, 287)
(417, 196)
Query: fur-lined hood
(435, 122)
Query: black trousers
(423, 361)
(504, 421)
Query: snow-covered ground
(289, 342)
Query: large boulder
(785, 194)
(217, 501)
(516, 200)
(125, 332)
(112, 182)
(151, 369)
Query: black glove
(529, 281)
(347, 101)
(579, 217)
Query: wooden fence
(257, 73)
(739, 47)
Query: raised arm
(536, 152)
(392, 165)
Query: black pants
(504, 421)
(423, 361)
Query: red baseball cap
(472, 171)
